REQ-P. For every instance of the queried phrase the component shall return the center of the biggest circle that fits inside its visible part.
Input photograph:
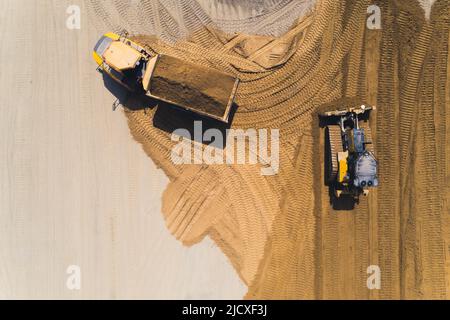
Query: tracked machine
(350, 165)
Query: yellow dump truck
(205, 91)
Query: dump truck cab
(121, 59)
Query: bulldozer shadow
(342, 203)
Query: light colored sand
(427, 5)
(281, 233)
(168, 18)
(74, 187)
(77, 190)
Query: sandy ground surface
(75, 189)
(281, 233)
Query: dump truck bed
(202, 90)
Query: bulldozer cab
(356, 140)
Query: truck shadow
(190, 125)
(169, 117)
(131, 101)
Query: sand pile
(280, 232)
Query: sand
(203, 90)
(281, 233)
(75, 188)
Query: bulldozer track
(334, 146)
